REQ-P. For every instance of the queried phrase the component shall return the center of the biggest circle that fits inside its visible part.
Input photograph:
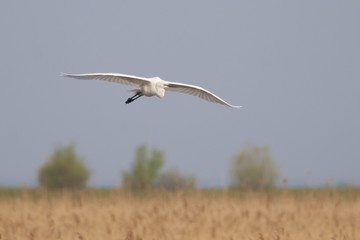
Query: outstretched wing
(111, 77)
(196, 91)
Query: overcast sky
(294, 66)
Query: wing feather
(112, 77)
(196, 91)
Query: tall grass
(211, 214)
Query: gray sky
(292, 65)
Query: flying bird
(152, 86)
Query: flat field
(218, 214)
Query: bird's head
(159, 85)
(160, 92)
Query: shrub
(172, 179)
(253, 168)
(144, 169)
(64, 169)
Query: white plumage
(152, 86)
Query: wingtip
(237, 107)
(63, 74)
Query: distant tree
(144, 169)
(253, 168)
(172, 179)
(64, 169)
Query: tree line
(252, 168)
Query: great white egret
(152, 86)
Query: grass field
(113, 214)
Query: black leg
(136, 97)
(133, 98)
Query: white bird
(152, 86)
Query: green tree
(64, 169)
(253, 168)
(172, 179)
(144, 169)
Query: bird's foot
(129, 100)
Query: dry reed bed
(180, 216)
